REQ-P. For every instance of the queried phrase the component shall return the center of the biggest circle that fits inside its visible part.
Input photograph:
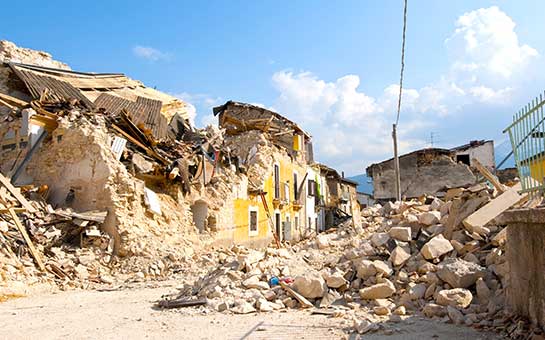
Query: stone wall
(419, 177)
(526, 260)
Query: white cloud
(150, 53)
(351, 129)
(487, 95)
(485, 39)
(346, 123)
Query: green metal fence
(527, 134)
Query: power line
(402, 61)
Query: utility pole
(396, 164)
(431, 139)
(394, 127)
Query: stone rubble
(376, 273)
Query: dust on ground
(130, 314)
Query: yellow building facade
(251, 221)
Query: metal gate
(527, 135)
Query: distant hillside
(365, 184)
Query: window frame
(251, 209)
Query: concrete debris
(311, 285)
(378, 291)
(214, 208)
(459, 273)
(436, 247)
(457, 297)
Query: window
(278, 226)
(463, 159)
(253, 221)
(295, 184)
(311, 187)
(276, 181)
(296, 222)
(309, 226)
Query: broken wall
(484, 153)
(79, 157)
(526, 261)
(419, 176)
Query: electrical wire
(402, 61)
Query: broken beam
(493, 209)
(489, 176)
(302, 300)
(26, 204)
(28, 241)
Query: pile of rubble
(407, 258)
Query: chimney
(342, 173)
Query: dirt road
(129, 314)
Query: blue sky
(331, 66)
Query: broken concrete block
(312, 285)
(383, 268)
(331, 297)
(322, 241)
(254, 283)
(417, 291)
(436, 247)
(334, 280)
(455, 315)
(264, 305)
(459, 273)
(381, 310)
(378, 291)
(243, 307)
(401, 233)
(380, 239)
(433, 310)
(365, 269)
(483, 292)
(429, 218)
(399, 256)
(457, 297)
(493, 209)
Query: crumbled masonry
(109, 185)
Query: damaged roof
(109, 91)
(220, 109)
(471, 144)
(437, 151)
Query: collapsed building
(426, 171)
(287, 190)
(432, 170)
(77, 144)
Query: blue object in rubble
(274, 281)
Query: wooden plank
(493, 209)
(17, 210)
(182, 302)
(16, 101)
(302, 300)
(28, 241)
(93, 215)
(26, 204)
(489, 176)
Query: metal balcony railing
(527, 135)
